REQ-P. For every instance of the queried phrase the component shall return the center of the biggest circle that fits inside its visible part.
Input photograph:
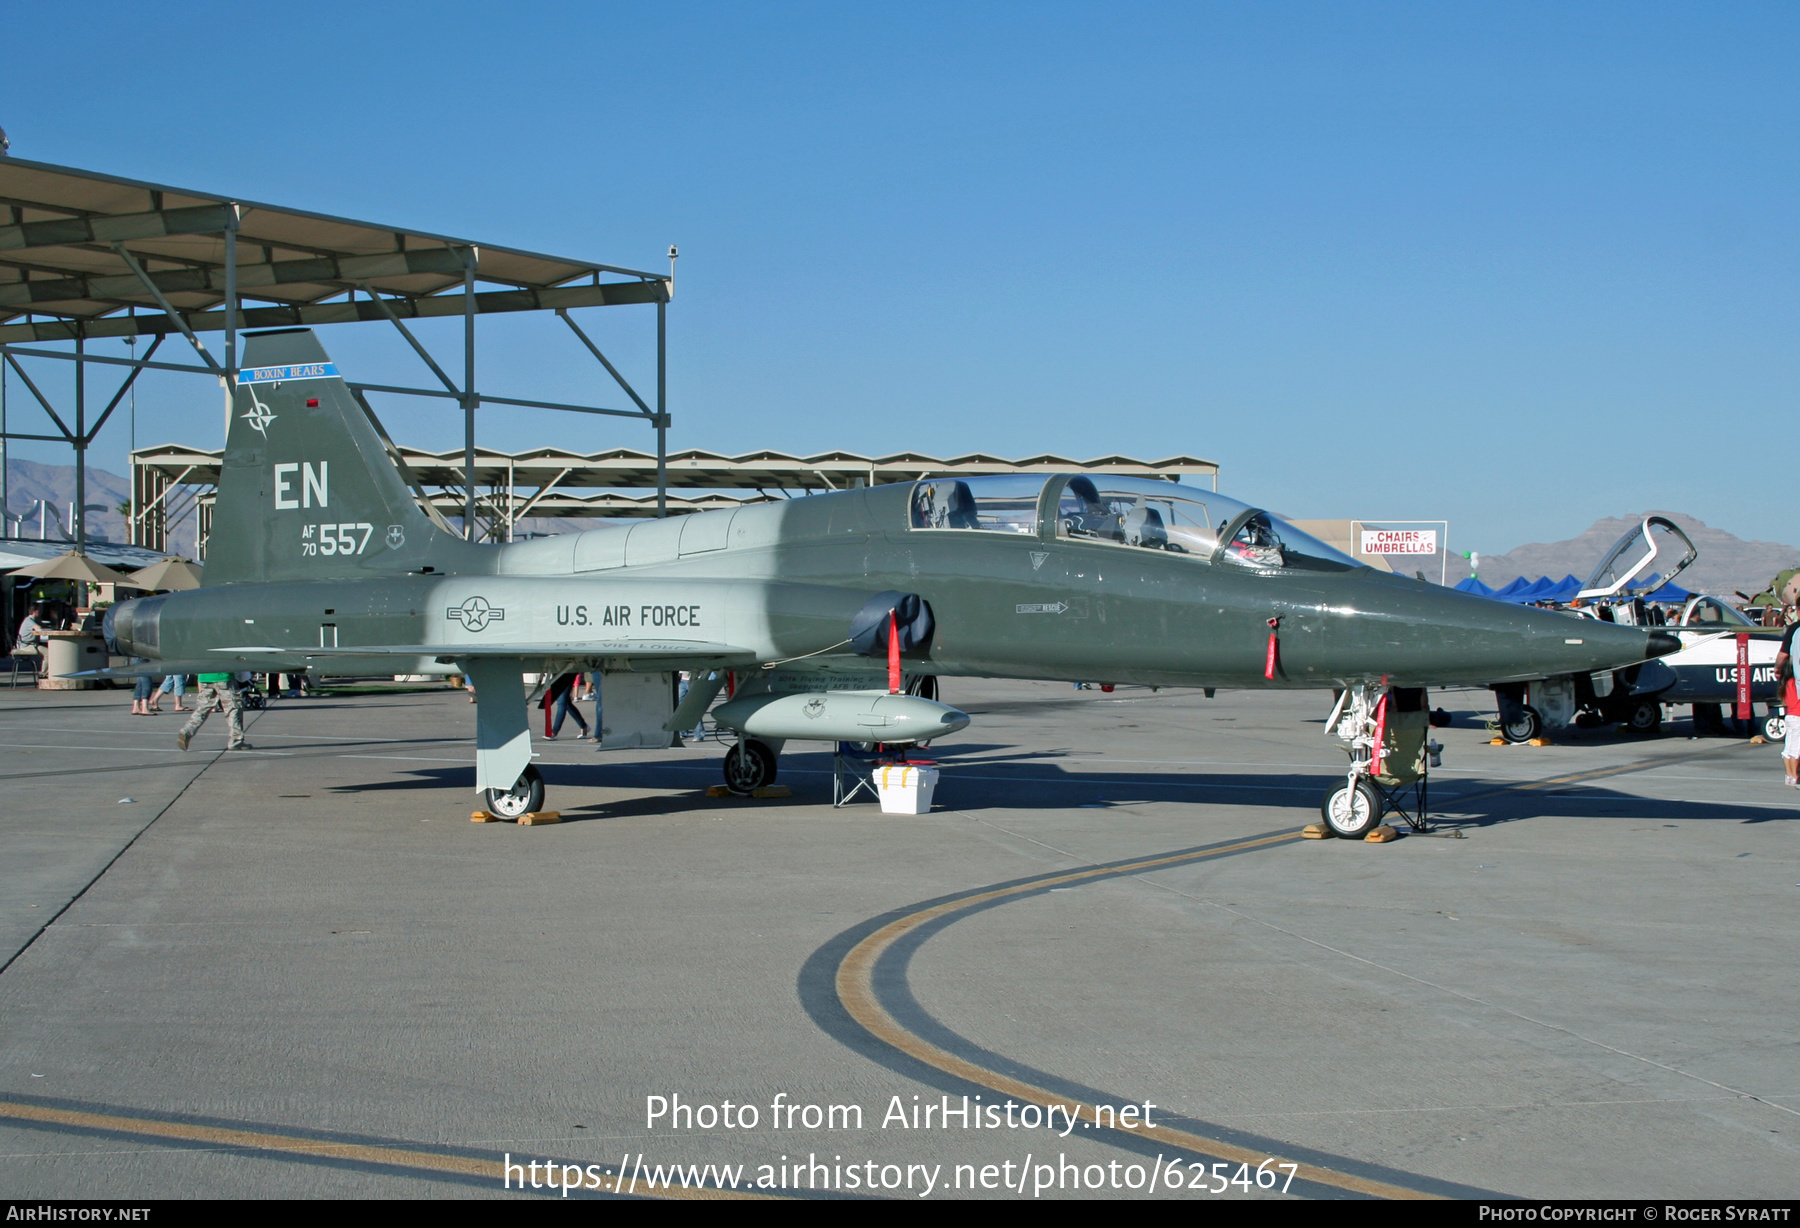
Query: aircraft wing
(647, 648)
(235, 660)
(269, 656)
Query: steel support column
(231, 315)
(469, 398)
(81, 443)
(662, 408)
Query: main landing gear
(749, 766)
(525, 797)
(1520, 723)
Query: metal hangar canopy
(555, 483)
(68, 252)
(87, 256)
(626, 468)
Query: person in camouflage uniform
(217, 691)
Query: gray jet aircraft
(809, 609)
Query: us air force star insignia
(258, 416)
(1038, 557)
(475, 613)
(396, 537)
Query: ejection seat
(960, 510)
(1144, 527)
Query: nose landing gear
(1390, 760)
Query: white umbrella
(73, 566)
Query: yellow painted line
(395, 1157)
(856, 990)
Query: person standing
(174, 684)
(217, 691)
(1790, 705)
(141, 692)
(560, 697)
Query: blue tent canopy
(1523, 591)
(1668, 592)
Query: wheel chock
(773, 791)
(717, 791)
(482, 816)
(540, 818)
(1314, 831)
(1381, 835)
(1496, 741)
(1538, 742)
(1758, 740)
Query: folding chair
(854, 768)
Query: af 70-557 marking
(1073, 577)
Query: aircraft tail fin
(311, 488)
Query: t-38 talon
(829, 617)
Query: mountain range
(29, 484)
(1726, 565)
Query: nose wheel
(525, 797)
(1351, 811)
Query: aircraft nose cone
(1662, 643)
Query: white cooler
(905, 788)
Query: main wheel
(525, 797)
(1644, 716)
(1774, 727)
(748, 767)
(1524, 725)
(1351, 813)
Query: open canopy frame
(85, 256)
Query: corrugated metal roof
(59, 225)
(695, 468)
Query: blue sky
(1517, 265)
